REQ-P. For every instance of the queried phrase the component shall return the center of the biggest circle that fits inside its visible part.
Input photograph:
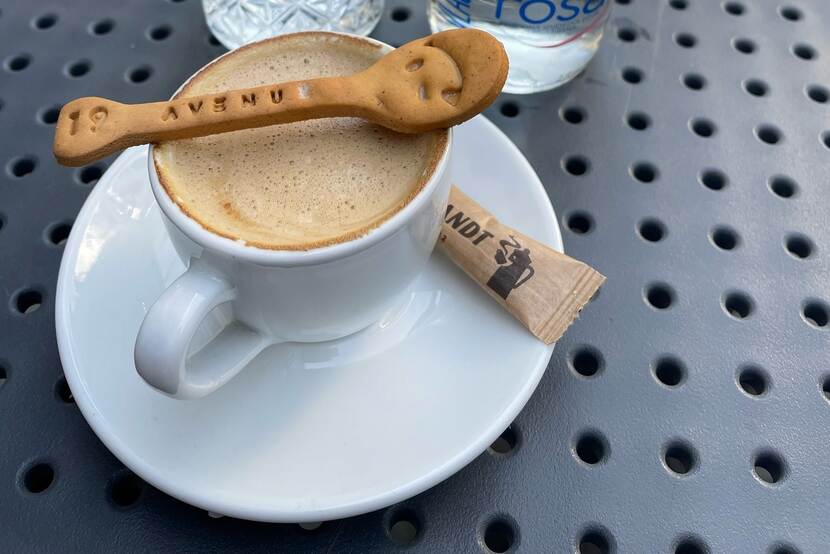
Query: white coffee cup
(187, 348)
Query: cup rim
(240, 250)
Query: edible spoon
(430, 83)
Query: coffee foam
(300, 185)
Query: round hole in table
(768, 134)
(632, 75)
(651, 229)
(90, 174)
(725, 237)
(738, 304)
(753, 380)
(38, 477)
(659, 296)
(595, 540)
(783, 186)
(573, 114)
(57, 233)
(784, 548)
(580, 222)
(734, 8)
(680, 457)
(744, 45)
(799, 245)
(816, 313)
(509, 109)
(639, 121)
(702, 127)
(669, 371)
(768, 467)
(78, 68)
(645, 172)
(586, 361)
(102, 27)
(825, 387)
(159, 32)
(693, 81)
(691, 545)
(576, 165)
(63, 392)
(27, 301)
(500, 535)
(591, 447)
(790, 13)
(756, 87)
(400, 14)
(139, 74)
(125, 489)
(817, 93)
(685, 40)
(45, 21)
(18, 62)
(22, 166)
(403, 526)
(713, 179)
(506, 442)
(49, 115)
(804, 51)
(627, 34)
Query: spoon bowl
(437, 81)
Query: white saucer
(309, 432)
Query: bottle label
(567, 19)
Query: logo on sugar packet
(514, 263)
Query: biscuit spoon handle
(430, 83)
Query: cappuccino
(300, 185)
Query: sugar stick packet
(543, 289)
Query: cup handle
(162, 349)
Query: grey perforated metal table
(688, 410)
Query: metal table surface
(688, 410)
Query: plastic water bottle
(548, 41)
(238, 22)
